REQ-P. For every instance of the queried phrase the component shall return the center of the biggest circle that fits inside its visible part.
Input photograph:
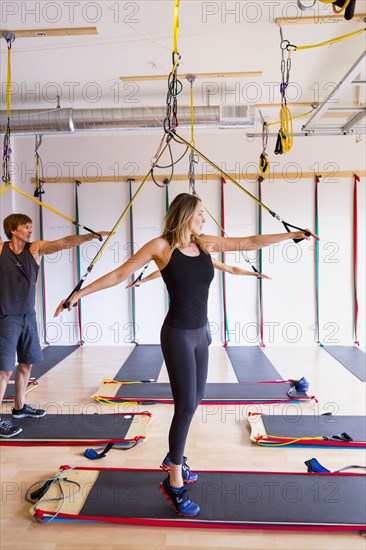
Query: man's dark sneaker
(8, 430)
(28, 410)
(187, 475)
(178, 498)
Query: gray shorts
(19, 335)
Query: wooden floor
(218, 439)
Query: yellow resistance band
(287, 136)
(4, 188)
(332, 41)
(335, 10)
(289, 441)
(176, 26)
(292, 117)
(10, 186)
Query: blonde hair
(179, 214)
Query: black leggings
(186, 358)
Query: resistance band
(226, 335)
(355, 259)
(133, 290)
(226, 176)
(78, 262)
(114, 229)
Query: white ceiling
(136, 38)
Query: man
(19, 265)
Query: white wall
(289, 305)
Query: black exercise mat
(313, 426)
(213, 392)
(144, 363)
(230, 499)
(251, 364)
(52, 355)
(351, 357)
(74, 429)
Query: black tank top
(18, 277)
(188, 280)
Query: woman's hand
(72, 300)
(134, 284)
(306, 234)
(261, 275)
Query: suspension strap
(114, 229)
(176, 26)
(51, 209)
(223, 233)
(174, 85)
(327, 42)
(226, 334)
(355, 259)
(264, 164)
(260, 265)
(78, 263)
(317, 261)
(9, 37)
(227, 176)
(133, 290)
(38, 187)
(285, 133)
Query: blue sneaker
(178, 498)
(187, 475)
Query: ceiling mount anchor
(9, 36)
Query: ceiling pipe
(31, 121)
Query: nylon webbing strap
(78, 262)
(51, 209)
(316, 261)
(133, 290)
(226, 334)
(260, 260)
(176, 26)
(9, 37)
(355, 259)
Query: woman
(182, 254)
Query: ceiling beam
(43, 33)
(317, 19)
(203, 177)
(141, 78)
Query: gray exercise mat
(351, 357)
(251, 364)
(144, 363)
(304, 425)
(233, 499)
(214, 392)
(52, 356)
